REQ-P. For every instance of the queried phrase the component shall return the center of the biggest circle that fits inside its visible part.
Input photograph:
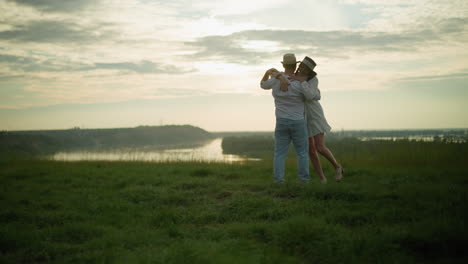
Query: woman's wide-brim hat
(310, 63)
(289, 58)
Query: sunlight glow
(215, 26)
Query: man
(290, 121)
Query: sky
(381, 64)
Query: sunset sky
(382, 64)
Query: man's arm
(267, 82)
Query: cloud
(453, 25)
(8, 78)
(50, 31)
(223, 48)
(56, 5)
(328, 43)
(5, 58)
(141, 67)
(33, 64)
(436, 77)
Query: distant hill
(48, 141)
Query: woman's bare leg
(324, 151)
(314, 158)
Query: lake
(425, 138)
(410, 138)
(210, 152)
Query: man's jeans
(285, 131)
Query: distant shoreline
(335, 130)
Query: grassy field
(114, 212)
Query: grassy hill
(386, 210)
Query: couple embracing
(299, 118)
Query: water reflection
(211, 152)
(410, 138)
(429, 138)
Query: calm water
(211, 152)
(416, 138)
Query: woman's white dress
(316, 121)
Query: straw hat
(289, 58)
(310, 63)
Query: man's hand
(268, 73)
(272, 70)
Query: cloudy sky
(382, 64)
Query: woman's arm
(284, 83)
(299, 78)
(310, 89)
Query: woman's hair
(310, 73)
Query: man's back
(288, 104)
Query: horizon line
(232, 131)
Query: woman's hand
(284, 84)
(298, 78)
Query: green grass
(115, 212)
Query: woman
(317, 125)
